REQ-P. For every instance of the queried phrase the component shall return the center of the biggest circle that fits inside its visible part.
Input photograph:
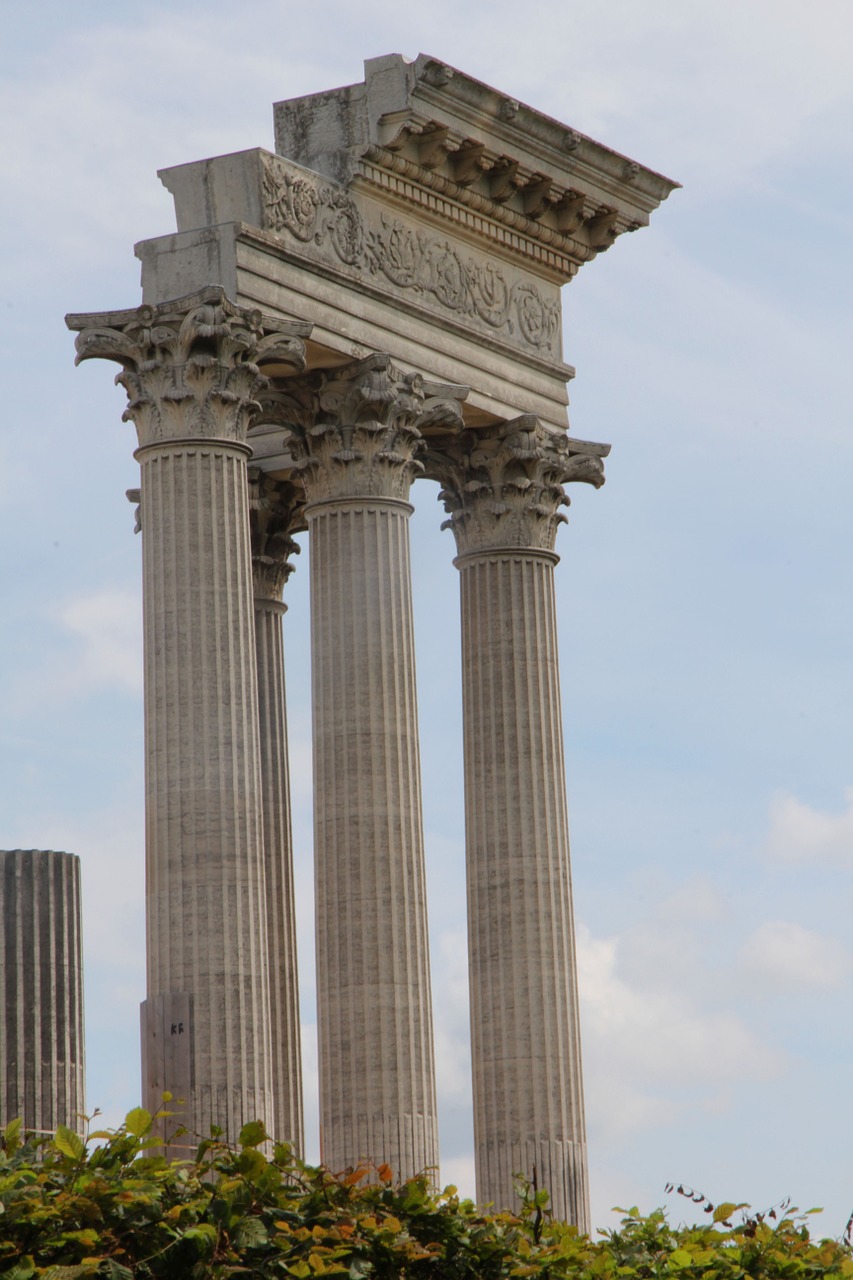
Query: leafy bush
(122, 1210)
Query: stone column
(191, 371)
(41, 990)
(503, 489)
(357, 458)
(274, 508)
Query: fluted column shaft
(377, 1089)
(528, 1094)
(377, 1082)
(41, 990)
(191, 371)
(503, 489)
(205, 896)
(272, 517)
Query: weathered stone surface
(41, 990)
(503, 489)
(275, 509)
(450, 213)
(422, 225)
(357, 455)
(192, 370)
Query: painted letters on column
(192, 370)
(503, 490)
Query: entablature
(427, 135)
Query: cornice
(427, 135)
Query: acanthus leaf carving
(502, 486)
(355, 431)
(276, 511)
(190, 367)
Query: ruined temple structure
(376, 301)
(41, 990)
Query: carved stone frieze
(430, 268)
(275, 513)
(355, 431)
(192, 369)
(503, 487)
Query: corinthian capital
(275, 513)
(502, 487)
(193, 368)
(356, 431)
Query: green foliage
(122, 1210)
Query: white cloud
(12, 474)
(786, 953)
(450, 1017)
(458, 1172)
(310, 1091)
(644, 1037)
(107, 628)
(110, 844)
(799, 833)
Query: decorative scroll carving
(191, 368)
(503, 487)
(355, 431)
(431, 268)
(275, 512)
(134, 496)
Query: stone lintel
(356, 310)
(421, 129)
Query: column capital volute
(193, 367)
(276, 512)
(357, 430)
(502, 485)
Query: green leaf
(724, 1211)
(253, 1134)
(12, 1136)
(75, 1272)
(251, 1234)
(24, 1269)
(69, 1143)
(680, 1258)
(138, 1122)
(116, 1271)
(204, 1235)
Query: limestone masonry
(41, 990)
(377, 301)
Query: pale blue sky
(704, 593)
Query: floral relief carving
(432, 268)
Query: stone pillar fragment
(192, 370)
(356, 452)
(503, 489)
(275, 508)
(41, 990)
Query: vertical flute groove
(41, 990)
(206, 918)
(525, 1030)
(377, 1082)
(273, 511)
